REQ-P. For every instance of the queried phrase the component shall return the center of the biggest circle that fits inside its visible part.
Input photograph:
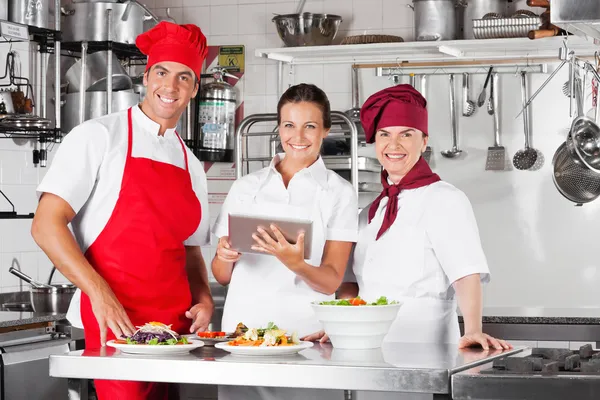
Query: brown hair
(308, 93)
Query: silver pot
(95, 106)
(434, 20)
(95, 74)
(53, 300)
(36, 13)
(87, 21)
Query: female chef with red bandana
(132, 192)
(418, 241)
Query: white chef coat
(262, 289)
(87, 171)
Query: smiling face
(398, 149)
(170, 86)
(302, 132)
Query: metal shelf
(10, 31)
(120, 50)
(522, 49)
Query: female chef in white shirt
(280, 285)
(418, 241)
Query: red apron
(141, 255)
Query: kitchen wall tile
(367, 15)
(315, 7)
(254, 78)
(242, 2)
(223, 2)
(252, 19)
(343, 8)
(254, 104)
(168, 3)
(7, 260)
(195, 3)
(279, 7)
(337, 78)
(397, 14)
(308, 74)
(408, 34)
(11, 163)
(29, 265)
(271, 78)
(251, 43)
(340, 101)
(224, 20)
(16, 236)
(22, 196)
(220, 40)
(29, 171)
(199, 16)
(273, 41)
(175, 13)
(44, 265)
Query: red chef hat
(400, 105)
(185, 44)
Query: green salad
(357, 301)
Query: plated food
(155, 338)
(357, 301)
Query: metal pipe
(84, 48)
(240, 135)
(57, 103)
(43, 82)
(279, 79)
(495, 81)
(355, 99)
(109, 69)
(353, 148)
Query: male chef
(136, 199)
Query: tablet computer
(241, 228)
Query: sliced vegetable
(357, 301)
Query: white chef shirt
(433, 242)
(87, 170)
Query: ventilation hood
(579, 17)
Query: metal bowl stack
(307, 29)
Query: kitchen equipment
(572, 179)
(31, 12)
(216, 119)
(496, 156)
(490, 106)
(584, 142)
(434, 20)
(578, 17)
(138, 87)
(366, 39)
(454, 151)
(27, 278)
(96, 74)
(525, 158)
(482, 95)
(507, 28)
(19, 121)
(95, 106)
(307, 29)
(6, 102)
(428, 150)
(476, 9)
(468, 105)
(86, 21)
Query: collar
(148, 124)
(316, 170)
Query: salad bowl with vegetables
(155, 338)
(357, 323)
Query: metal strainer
(572, 179)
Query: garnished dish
(264, 341)
(212, 337)
(155, 338)
(357, 301)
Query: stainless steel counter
(401, 367)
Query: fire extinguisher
(216, 118)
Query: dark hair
(308, 93)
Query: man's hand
(111, 314)
(200, 314)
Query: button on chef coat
(262, 289)
(433, 242)
(87, 171)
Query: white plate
(264, 351)
(176, 349)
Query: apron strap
(185, 157)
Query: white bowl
(356, 327)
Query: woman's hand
(320, 337)
(483, 340)
(225, 253)
(292, 255)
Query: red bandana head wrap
(400, 105)
(185, 44)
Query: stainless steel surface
(29, 12)
(409, 367)
(475, 383)
(454, 151)
(98, 68)
(307, 29)
(525, 159)
(95, 106)
(86, 21)
(581, 17)
(109, 65)
(496, 156)
(27, 278)
(434, 20)
(57, 46)
(55, 299)
(505, 27)
(83, 84)
(585, 137)
(345, 163)
(573, 180)
(482, 95)
(476, 9)
(468, 105)
(24, 121)
(6, 98)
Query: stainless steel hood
(580, 17)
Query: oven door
(25, 371)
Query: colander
(572, 179)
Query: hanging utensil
(525, 158)
(428, 150)
(454, 151)
(496, 156)
(468, 105)
(573, 180)
(300, 6)
(490, 106)
(482, 95)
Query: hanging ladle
(454, 151)
(28, 279)
(525, 158)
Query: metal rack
(347, 129)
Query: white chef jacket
(433, 242)
(87, 171)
